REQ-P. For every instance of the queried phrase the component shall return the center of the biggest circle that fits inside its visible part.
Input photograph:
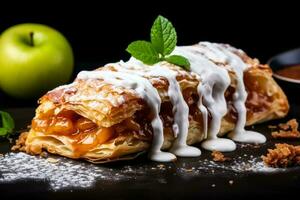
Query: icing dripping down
(239, 97)
(180, 107)
(211, 89)
(211, 64)
(147, 92)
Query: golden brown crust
(284, 155)
(108, 106)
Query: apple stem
(31, 39)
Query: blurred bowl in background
(286, 69)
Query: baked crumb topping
(283, 155)
(287, 130)
(20, 143)
(219, 156)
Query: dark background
(99, 32)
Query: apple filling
(84, 133)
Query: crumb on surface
(161, 166)
(52, 160)
(291, 123)
(285, 134)
(282, 156)
(44, 154)
(20, 143)
(230, 182)
(219, 157)
(188, 169)
(288, 130)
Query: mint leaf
(179, 60)
(3, 131)
(163, 43)
(163, 36)
(143, 51)
(7, 123)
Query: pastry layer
(97, 120)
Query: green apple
(33, 59)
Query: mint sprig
(8, 124)
(163, 36)
(163, 42)
(144, 51)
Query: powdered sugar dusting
(61, 174)
(68, 173)
(238, 165)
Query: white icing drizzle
(239, 97)
(181, 115)
(205, 59)
(146, 91)
(214, 82)
(180, 107)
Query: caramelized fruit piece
(85, 124)
(88, 140)
(85, 134)
(61, 125)
(69, 114)
(40, 124)
(104, 135)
